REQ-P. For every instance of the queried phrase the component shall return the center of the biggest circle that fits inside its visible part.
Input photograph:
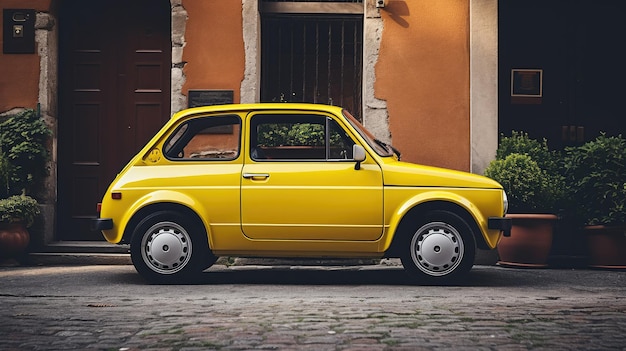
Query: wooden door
(115, 61)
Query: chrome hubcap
(166, 248)
(437, 248)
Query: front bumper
(500, 223)
(98, 224)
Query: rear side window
(206, 138)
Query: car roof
(257, 107)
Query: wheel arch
(160, 206)
(421, 209)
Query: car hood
(397, 173)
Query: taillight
(116, 196)
(99, 207)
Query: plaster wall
(213, 53)
(423, 74)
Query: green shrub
(521, 143)
(19, 208)
(533, 183)
(529, 188)
(5, 171)
(596, 174)
(23, 139)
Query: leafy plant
(5, 170)
(529, 172)
(521, 143)
(596, 173)
(19, 208)
(23, 139)
(529, 188)
(294, 134)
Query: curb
(51, 259)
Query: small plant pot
(530, 241)
(607, 246)
(14, 239)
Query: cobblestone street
(311, 308)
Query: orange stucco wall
(19, 73)
(423, 74)
(214, 49)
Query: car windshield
(383, 149)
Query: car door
(299, 181)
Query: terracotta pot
(530, 241)
(14, 239)
(607, 246)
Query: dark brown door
(115, 61)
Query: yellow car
(292, 180)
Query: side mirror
(358, 154)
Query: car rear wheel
(168, 247)
(440, 248)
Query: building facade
(424, 75)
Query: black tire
(439, 248)
(168, 247)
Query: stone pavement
(109, 307)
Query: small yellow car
(292, 180)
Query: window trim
(312, 7)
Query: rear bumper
(98, 224)
(501, 223)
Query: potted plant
(17, 214)
(23, 159)
(528, 171)
(596, 174)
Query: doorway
(114, 79)
(576, 46)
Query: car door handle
(256, 176)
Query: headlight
(505, 201)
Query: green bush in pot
(596, 177)
(596, 174)
(528, 171)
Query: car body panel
(312, 201)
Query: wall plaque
(198, 97)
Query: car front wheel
(168, 247)
(439, 249)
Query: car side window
(340, 144)
(298, 137)
(206, 138)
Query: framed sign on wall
(526, 86)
